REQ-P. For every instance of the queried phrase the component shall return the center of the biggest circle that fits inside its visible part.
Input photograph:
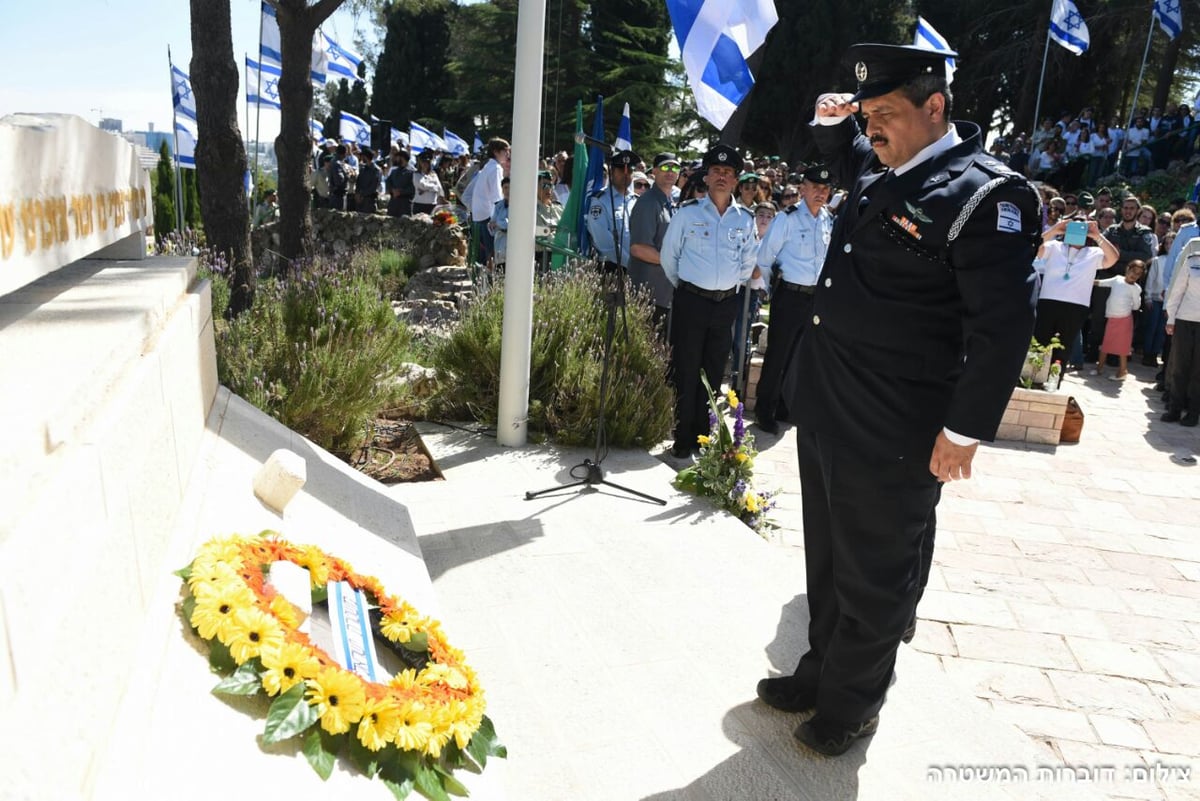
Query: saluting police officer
(707, 255)
(617, 199)
(921, 322)
(796, 240)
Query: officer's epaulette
(597, 193)
(995, 167)
(691, 202)
(791, 209)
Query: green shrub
(318, 351)
(395, 267)
(569, 317)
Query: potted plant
(1037, 362)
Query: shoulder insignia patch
(791, 209)
(691, 202)
(1008, 217)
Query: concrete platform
(620, 642)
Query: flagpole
(175, 133)
(1138, 87)
(246, 102)
(1037, 109)
(257, 116)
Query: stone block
(1011, 416)
(1011, 432)
(1036, 419)
(1048, 408)
(1119, 731)
(280, 478)
(1047, 721)
(1007, 645)
(1102, 656)
(1043, 436)
(1174, 736)
(1105, 695)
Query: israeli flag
(1170, 17)
(270, 50)
(930, 39)
(399, 136)
(185, 138)
(1068, 28)
(455, 144)
(262, 84)
(354, 129)
(421, 138)
(181, 94)
(318, 130)
(342, 61)
(624, 137)
(477, 147)
(715, 38)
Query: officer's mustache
(878, 139)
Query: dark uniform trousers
(790, 309)
(874, 520)
(701, 337)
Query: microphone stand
(612, 277)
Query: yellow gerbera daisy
(286, 666)
(414, 730)
(405, 680)
(703, 439)
(461, 727)
(338, 697)
(285, 612)
(450, 676)
(750, 501)
(380, 720)
(215, 607)
(741, 458)
(396, 628)
(252, 630)
(314, 559)
(732, 397)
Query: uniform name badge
(1008, 217)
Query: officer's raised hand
(833, 104)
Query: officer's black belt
(804, 288)
(711, 294)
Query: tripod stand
(613, 282)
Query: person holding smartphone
(1068, 268)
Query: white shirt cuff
(826, 120)
(959, 439)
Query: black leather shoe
(910, 632)
(1190, 420)
(1171, 417)
(767, 424)
(787, 693)
(680, 451)
(833, 739)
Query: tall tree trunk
(220, 154)
(297, 22)
(1166, 73)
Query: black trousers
(790, 311)
(1096, 321)
(1061, 318)
(868, 544)
(1183, 370)
(701, 337)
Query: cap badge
(722, 157)
(860, 71)
(824, 174)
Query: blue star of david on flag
(1170, 17)
(1068, 28)
(262, 84)
(181, 94)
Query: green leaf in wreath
(244, 681)
(429, 783)
(453, 786)
(485, 743)
(186, 608)
(219, 657)
(185, 573)
(321, 749)
(396, 772)
(417, 642)
(454, 758)
(366, 759)
(320, 594)
(289, 715)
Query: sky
(108, 58)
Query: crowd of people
(1078, 150)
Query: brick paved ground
(1066, 583)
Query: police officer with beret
(920, 324)
(796, 242)
(707, 254)
(613, 201)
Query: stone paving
(1066, 583)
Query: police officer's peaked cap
(881, 68)
(723, 156)
(816, 174)
(624, 158)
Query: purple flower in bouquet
(739, 425)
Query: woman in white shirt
(427, 184)
(1067, 274)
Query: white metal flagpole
(1138, 87)
(1037, 109)
(175, 133)
(257, 116)
(517, 331)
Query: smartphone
(1076, 233)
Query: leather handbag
(1072, 426)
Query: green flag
(567, 236)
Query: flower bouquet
(444, 217)
(411, 731)
(724, 470)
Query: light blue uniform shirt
(1186, 233)
(798, 240)
(708, 249)
(600, 223)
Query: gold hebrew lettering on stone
(8, 230)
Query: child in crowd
(1125, 296)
